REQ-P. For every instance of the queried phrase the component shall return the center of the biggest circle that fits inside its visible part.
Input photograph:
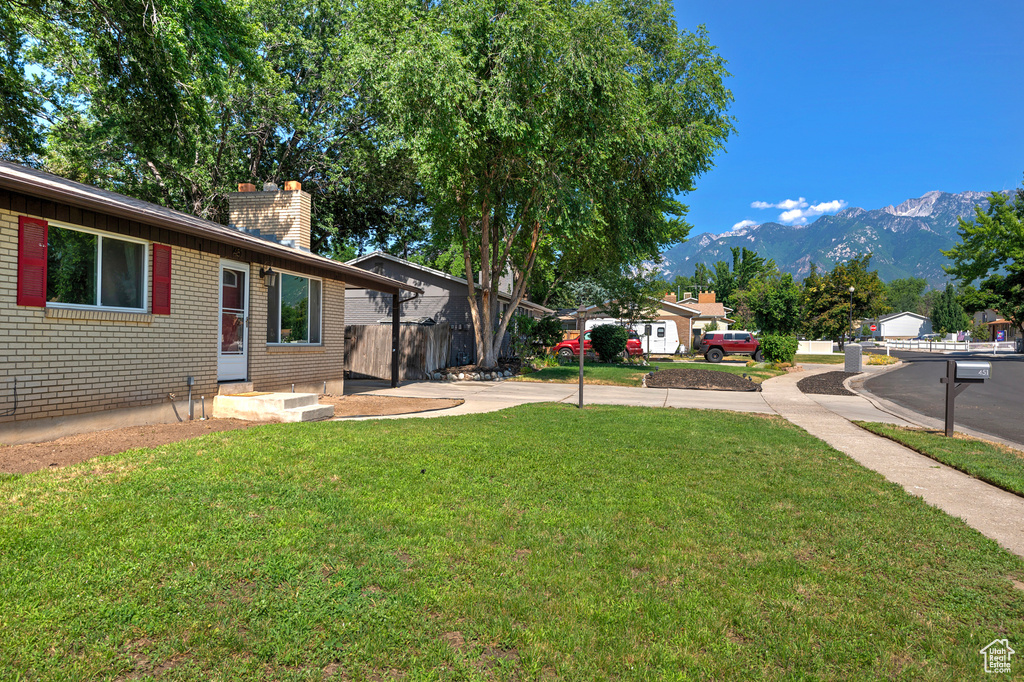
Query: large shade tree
(991, 250)
(547, 129)
(177, 101)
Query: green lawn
(834, 359)
(632, 375)
(997, 464)
(542, 542)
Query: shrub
(609, 341)
(548, 331)
(779, 348)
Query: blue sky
(860, 104)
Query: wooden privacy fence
(422, 349)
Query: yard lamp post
(582, 313)
(851, 313)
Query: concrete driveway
(488, 396)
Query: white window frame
(280, 292)
(146, 257)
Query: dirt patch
(378, 405)
(704, 379)
(829, 383)
(23, 459)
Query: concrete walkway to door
(995, 513)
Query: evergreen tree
(948, 315)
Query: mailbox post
(959, 375)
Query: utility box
(854, 357)
(973, 370)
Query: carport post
(582, 315)
(395, 327)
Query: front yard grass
(624, 374)
(996, 464)
(834, 359)
(541, 542)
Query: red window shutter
(32, 236)
(161, 279)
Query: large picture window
(88, 269)
(293, 310)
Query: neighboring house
(905, 325)
(111, 303)
(709, 310)
(445, 298)
(999, 328)
(691, 316)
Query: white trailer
(657, 336)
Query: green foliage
(948, 315)
(827, 298)
(553, 131)
(176, 102)
(609, 341)
(775, 301)
(991, 249)
(905, 295)
(711, 326)
(548, 331)
(633, 294)
(530, 335)
(778, 347)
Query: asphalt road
(995, 407)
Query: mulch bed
(704, 379)
(829, 383)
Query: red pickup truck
(571, 348)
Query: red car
(715, 345)
(571, 348)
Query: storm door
(233, 337)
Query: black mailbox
(973, 370)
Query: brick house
(109, 304)
(690, 315)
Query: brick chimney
(283, 215)
(671, 298)
(706, 297)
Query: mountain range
(905, 240)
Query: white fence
(962, 346)
(814, 348)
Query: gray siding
(442, 299)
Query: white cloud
(744, 223)
(785, 205)
(790, 204)
(795, 216)
(829, 206)
(797, 211)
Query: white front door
(233, 328)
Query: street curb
(917, 418)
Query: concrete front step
(233, 387)
(283, 407)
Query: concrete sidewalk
(997, 514)
(994, 513)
